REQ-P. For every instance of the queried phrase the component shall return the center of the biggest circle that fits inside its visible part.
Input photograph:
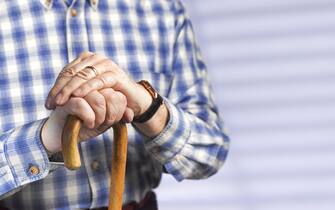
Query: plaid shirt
(150, 39)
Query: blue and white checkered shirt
(150, 39)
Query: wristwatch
(157, 101)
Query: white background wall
(272, 66)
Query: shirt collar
(48, 3)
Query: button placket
(74, 12)
(47, 2)
(76, 32)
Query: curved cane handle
(119, 156)
(70, 150)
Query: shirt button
(73, 12)
(34, 170)
(95, 165)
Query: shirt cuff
(173, 137)
(23, 156)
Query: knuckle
(78, 102)
(83, 74)
(110, 120)
(85, 54)
(109, 62)
(66, 72)
(91, 85)
(108, 94)
(102, 81)
(66, 90)
(109, 78)
(100, 57)
(85, 89)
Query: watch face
(149, 88)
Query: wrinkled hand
(93, 88)
(98, 110)
(90, 72)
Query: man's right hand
(99, 110)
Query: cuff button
(34, 170)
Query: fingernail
(48, 103)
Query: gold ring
(88, 73)
(93, 69)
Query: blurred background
(271, 63)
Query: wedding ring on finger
(88, 73)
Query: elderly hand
(91, 72)
(98, 110)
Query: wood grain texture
(119, 157)
(70, 150)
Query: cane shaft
(72, 161)
(119, 158)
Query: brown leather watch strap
(157, 101)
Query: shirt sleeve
(193, 145)
(23, 158)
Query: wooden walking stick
(119, 154)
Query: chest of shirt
(36, 43)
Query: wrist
(43, 138)
(154, 126)
(144, 100)
(46, 135)
(156, 102)
(51, 132)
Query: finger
(128, 116)
(80, 108)
(116, 104)
(85, 54)
(64, 77)
(111, 76)
(88, 61)
(106, 80)
(81, 57)
(108, 75)
(88, 71)
(98, 104)
(64, 94)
